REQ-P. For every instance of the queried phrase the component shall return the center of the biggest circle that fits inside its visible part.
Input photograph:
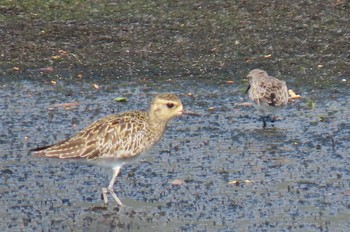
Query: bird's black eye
(170, 105)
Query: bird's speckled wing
(269, 90)
(116, 137)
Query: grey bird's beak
(248, 88)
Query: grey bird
(268, 94)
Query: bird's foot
(109, 190)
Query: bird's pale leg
(104, 194)
(110, 189)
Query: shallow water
(293, 176)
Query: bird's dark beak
(248, 88)
(190, 113)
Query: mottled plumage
(118, 139)
(268, 93)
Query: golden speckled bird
(268, 93)
(118, 139)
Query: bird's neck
(156, 123)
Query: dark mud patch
(161, 39)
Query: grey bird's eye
(170, 105)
